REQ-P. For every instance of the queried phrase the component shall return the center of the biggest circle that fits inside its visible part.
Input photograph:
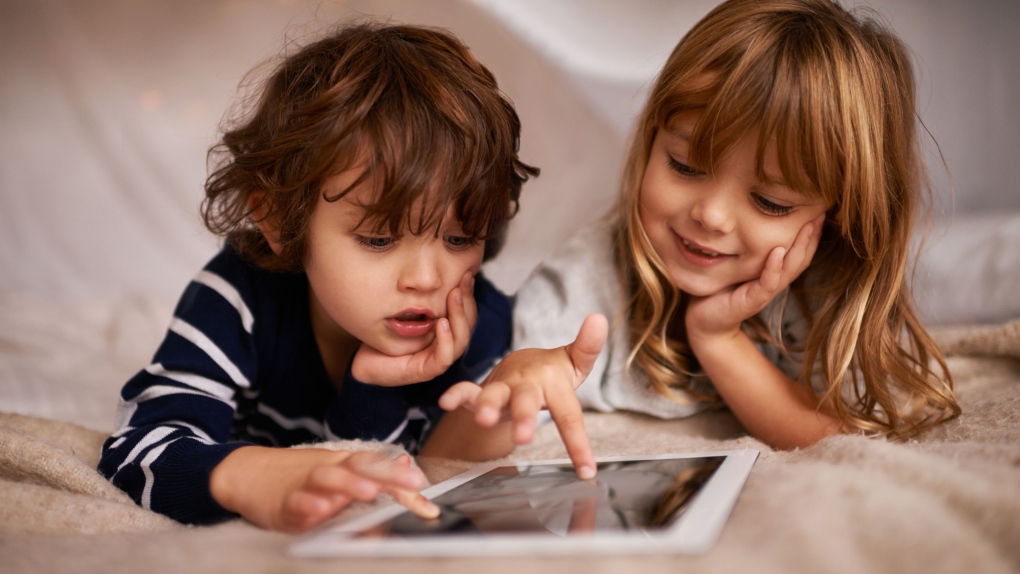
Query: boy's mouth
(412, 323)
(411, 317)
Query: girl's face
(385, 292)
(714, 231)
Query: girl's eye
(682, 168)
(458, 242)
(769, 207)
(377, 243)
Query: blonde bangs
(769, 76)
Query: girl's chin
(696, 289)
(701, 289)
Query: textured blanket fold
(948, 501)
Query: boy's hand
(293, 490)
(453, 333)
(724, 312)
(529, 380)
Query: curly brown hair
(413, 101)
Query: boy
(358, 199)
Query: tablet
(663, 503)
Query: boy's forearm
(252, 480)
(457, 436)
(769, 404)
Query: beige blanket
(947, 502)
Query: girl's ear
(259, 209)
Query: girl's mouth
(699, 250)
(698, 255)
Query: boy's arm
(175, 415)
(293, 490)
(458, 437)
(489, 419)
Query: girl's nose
(714, 211)
(420, 272)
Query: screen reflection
(624, 496)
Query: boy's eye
(682, 168)
(459, 242)
(374, 242)
(769, 207)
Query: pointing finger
(585, 349)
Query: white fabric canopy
(107, 108)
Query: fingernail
(586, 473)
(459, 296)
(444, 325)
(487, 414)
(428, 508)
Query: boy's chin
(404, 348)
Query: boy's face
(386, 292)
(715, 231)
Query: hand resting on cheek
(722, 313)
(452, 336)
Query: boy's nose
(420, 272)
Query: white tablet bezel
(695, 531)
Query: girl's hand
(293, 490)
(723, 313)
(453, 333)
(527, 381)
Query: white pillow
(969, 271)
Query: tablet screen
(632, 495)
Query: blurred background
(107, 109)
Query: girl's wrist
(706, 345)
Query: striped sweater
(239, 366)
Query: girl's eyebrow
(777, 182)
(678, 133)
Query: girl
(758, 256)
(358, 199)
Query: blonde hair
(835, 93)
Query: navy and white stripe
(239, 365)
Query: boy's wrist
(249, 479)
(223, 484)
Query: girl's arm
(767, 402)
(770, 405)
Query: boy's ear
(259, 208)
